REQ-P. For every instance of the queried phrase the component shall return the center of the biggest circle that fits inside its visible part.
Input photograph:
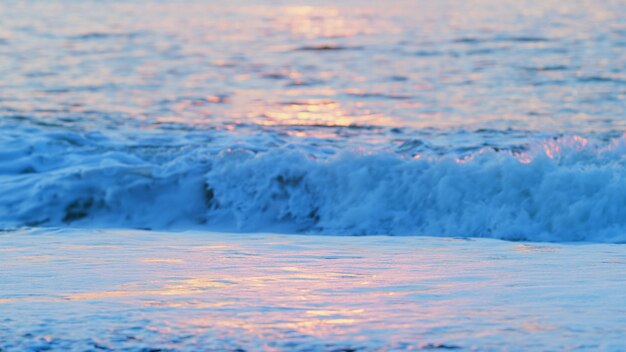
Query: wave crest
(559, 190)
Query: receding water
(77, 290)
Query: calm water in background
(529, 66)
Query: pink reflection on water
(553, 148)
(307, 291)
(323, 22)
(325, 112)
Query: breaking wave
(557, 190)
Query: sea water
(123, 290)
(484, 118)
(452, 119)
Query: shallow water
(89, 290)
(495, 119)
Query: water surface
(77, 290)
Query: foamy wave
(558, 190)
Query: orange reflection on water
(319, 113)
(526, 248)
(312, 112)
(180, 287)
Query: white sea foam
(565, 189)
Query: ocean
(312, 175)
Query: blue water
(500, 119)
